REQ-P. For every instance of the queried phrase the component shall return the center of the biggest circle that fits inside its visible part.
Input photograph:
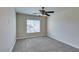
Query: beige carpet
(42, 44)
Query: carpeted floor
(42, 44)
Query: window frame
(39, 26)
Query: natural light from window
(33, 26)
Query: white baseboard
(20, 38)
(28, 37)
(53, 37)
(12, 46)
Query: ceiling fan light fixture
(44, 15)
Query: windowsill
(33, 33)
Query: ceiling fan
(44, 12)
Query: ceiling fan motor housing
(42, 11)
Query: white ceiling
(31, 10)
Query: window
(33, 26)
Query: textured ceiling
(32, 10)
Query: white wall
(21, 27)
(7, 29)
(64, 26)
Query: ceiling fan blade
(49, 11)
(47, 14)
(36, 13)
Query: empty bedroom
(39, 29)
(47, 29)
